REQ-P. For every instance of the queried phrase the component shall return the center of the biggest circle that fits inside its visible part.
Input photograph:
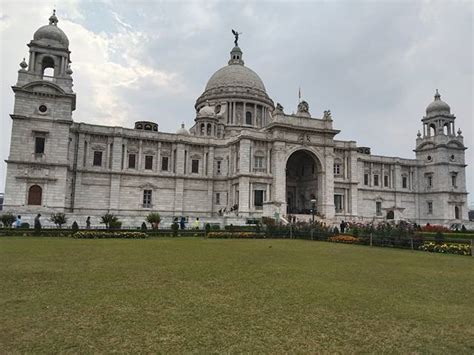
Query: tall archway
(303, 182)
(35, 195)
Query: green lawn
(198, 295)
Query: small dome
(182, 130)
(438, 106)
(51, 34)
(206, 111)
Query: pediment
(45, 87)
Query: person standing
(88, 223)
(197, 223)
(38, 223)
(343, 226)
(182, 223)
(18, 222)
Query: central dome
(235, 75)
(51, 34)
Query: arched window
(47, 68)
(446, 129)
(432, 129)
(202, 129)
(456, 212)
(35, 194)
(248, 117)
(209, 129)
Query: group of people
(37, 222)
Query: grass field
(198, 295)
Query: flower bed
(242, 235)
(347, 239)
(452, 248)
(105, 234)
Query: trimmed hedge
(106, 235)
(242, 235)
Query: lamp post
(313, 209)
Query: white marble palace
(243, 158)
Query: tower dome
(438, 106)
(51, 34)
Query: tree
(109, 220)
(154, 219)
(58, 219)
(7, 219)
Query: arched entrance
(303, 182)
(35, 195)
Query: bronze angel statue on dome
(236, 35)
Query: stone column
(328, 190)
(279, 176)
(114, 201)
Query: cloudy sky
(374, 64)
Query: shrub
(115, 224)
(7, 219)
(109, 220)
(25, 225)
(175, 228)
(105, 234)
(347, 239)
(154, 219)
(59, 219)
(435, 228)
(207, 228)
(452, 248)
(243, 235)
(74, 226)
(439, 238)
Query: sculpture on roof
(303, 107)
(327, 115)
(236, 35)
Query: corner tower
(442, 179)
(37, 167)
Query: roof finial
(437, 95)
(53, 20)
(236, 35)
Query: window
(219, 164)
(147, 194)
(404, 182)
(366, 179)
(248, 117)
(35, 194)
(430, 207)
(378, 208)
(376, 180)
(337, 169)
(97, 158)
(338, 203)
(456, 212)
(453, 180)
(218, 198)
(259, 163)
(195, 166)
(430, 181)
(258, 199)
(148, 162)
(39, 145)
(385, 181)
(164, 163)
(132, 161)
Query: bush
(59, 219)
(435, 228)
(175, 228)
(25, 225)
(347, 239)
(109, 220)
(74, 226)
(154, 219)
(115, 224)
(105, 235)
(207, 228)
(454, 248)
(243, 235)
(7, 219)
(439, 238)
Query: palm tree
(154, 219)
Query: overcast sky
(374, 64)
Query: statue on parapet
(327, 115)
